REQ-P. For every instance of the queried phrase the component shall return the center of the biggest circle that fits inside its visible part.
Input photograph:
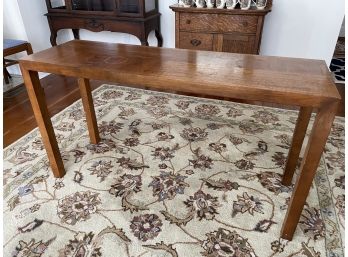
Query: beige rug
(174, 176)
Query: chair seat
(9, 43)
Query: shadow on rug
(173, 176)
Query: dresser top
(237, 11)
(288, 81)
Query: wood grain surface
(288, 81)
(218, 23)
(227, 30)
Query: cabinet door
(237, 43)
(93, 5)
(131, 8)
(56, 4)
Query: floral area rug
(173, 176)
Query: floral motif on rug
(172, 176)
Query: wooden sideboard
(221, 30)
(136, 17)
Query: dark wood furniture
(10, 47)
(289, 81)
(221, 30)
(136, 17)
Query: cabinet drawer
(196, 41)
(218, 23)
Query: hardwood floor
(60, 93)
(18, 115)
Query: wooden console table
(289, 81)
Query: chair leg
(6, 76)
(29, 49)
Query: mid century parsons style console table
(287, 81)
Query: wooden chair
(10, 47)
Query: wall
(303, 28)
(296, 28)
(36, 24)
(343, 28)
(13, 26)
(13, 23)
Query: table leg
(76, 33)
(53, 38)
(159, 38)
(320, 132)
(38, 103)
(87, 100)
(144, 42)
(296, 145)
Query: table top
(288, 81)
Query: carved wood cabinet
(222, 30)
(136, 17)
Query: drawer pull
(196, 42)
(188, 21)
(95, 25)
(245, 23)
